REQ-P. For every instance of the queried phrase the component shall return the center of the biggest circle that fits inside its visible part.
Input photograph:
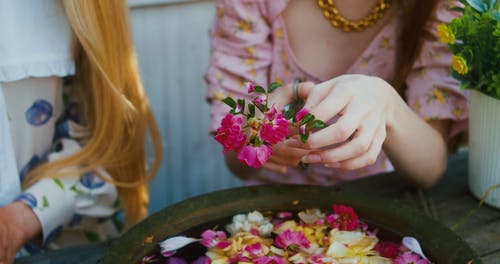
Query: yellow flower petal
(445, 34)
(459, 64)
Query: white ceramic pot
(484, 144)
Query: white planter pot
(484, 143)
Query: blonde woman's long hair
(114, 105)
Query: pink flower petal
(292, 239)
(303, 112)
(250, 87)
(230, 134)
(255, 156)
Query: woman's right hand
(18, 224)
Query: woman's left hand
(364, 105)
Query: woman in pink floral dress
(373, 69)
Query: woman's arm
(417, 149)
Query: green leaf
(458, 9)
(241, 103)
(318, 124)
(306, 119)
(305, 136)
(478, 5)
(58, 183)
(251, 109)
(290, 113)
(493, 3)
(273, 86)
(92, 236)
(259, 89)
(496, 15)
(230, 101)
(45, 202)
(76, 190)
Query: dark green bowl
(439, 243)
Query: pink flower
(316, 259)
(346, 217)
(175, 260)
(238, 108)
(254, 249)
(255, 156)
(410, 258)
(250, 87)
(274, 128)
(271, 113)
(259, 99)
(284, 215)
(210, 239)
(292, 239)
(238, 258)
(202, 260)
(268, 260)
(303, 129)
(303, 112)
(230, 135)
(150, 259)
(387, 249)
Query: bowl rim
(441, 243)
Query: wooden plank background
(171, 38)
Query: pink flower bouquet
(252, 129)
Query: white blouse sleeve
(56, 200)
(35, 40)
(9, 179)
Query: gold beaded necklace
(331, 13)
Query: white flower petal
(174, 243)
(412, 244)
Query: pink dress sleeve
(241, 51)
(432, 92)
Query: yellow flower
(250, 49)
(385, 43)
(458, 112)
(219, 96)
(245, 26)
(445, 34)
(220, 12)
(416, 106)
(248, 61)
(437, 95)
(459, 64)
(279, 32)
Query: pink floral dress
(249, 43)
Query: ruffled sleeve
(35, 40)
(241, 51)
(432, 92)
(56, 201)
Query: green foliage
(477, 40)
(273, 86)
(230, 102)
(259, 89)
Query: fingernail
(312, 158)
(292, 142)
(333, 165)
